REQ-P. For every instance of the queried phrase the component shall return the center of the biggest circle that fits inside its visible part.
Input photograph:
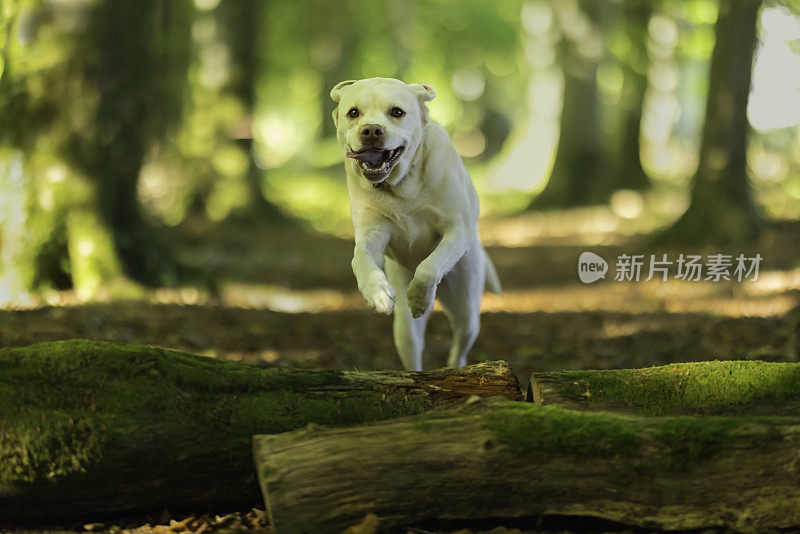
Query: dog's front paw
(379, 293)
(420, 297)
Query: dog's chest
(416, 230)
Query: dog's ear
(336, 92)
(423, 91)
(336, 96)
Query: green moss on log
(533, 429)
(675, 442)
(716, 387)
(65, 404)
(688, 440)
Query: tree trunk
(39, 189)
(73, 129)
(722, 208)
(578, 177)
(91, 428)
(698, 388)
(242, 21)
(142, 57)
(630, 174)
(499, 462)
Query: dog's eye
(397, 112)
(353, 113)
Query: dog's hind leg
(409, 333)
(459, 294)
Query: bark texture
(516, 463)
(90, 428)
(722, 208)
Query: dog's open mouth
(376, 162)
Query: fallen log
(516, 463)
(101, 428)
(711, 388)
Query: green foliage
(86, 88)
(42, 105)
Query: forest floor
(288, 297)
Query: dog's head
(380, 123)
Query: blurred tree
(241, 21)
(722, 209)
(579, 175)
(142, 51)
(636, 15)
(209, 168)
(333, 52)
(43, 103)
(83, 90)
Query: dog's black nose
(371, 132)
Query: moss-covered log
(516, 463)
(94, 428)
(711, 388)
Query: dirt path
(289, 298)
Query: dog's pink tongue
(370, 155)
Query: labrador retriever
(414, 212)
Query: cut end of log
(485, 379)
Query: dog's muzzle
(376, 163)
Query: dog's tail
(492, 280)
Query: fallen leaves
(252, 522)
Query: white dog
(413, 202)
